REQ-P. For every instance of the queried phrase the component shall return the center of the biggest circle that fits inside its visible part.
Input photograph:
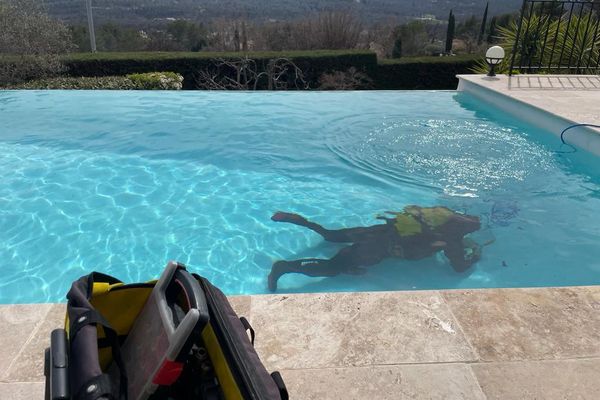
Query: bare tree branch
(345, 80)
(244, 74)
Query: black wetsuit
(373, 244)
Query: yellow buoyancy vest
(407, 225)
(409, 222)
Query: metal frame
(532, 42)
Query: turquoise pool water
(122, 182)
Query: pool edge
(493, 92)
(468, 339)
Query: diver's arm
(455, 251)
(386, 219)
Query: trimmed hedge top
(312, 63)
(463, 58)
(401, 73)
(432, 73)
(171, 55)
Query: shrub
(345, 80)
(30, 42)
(104, 82)
(544, 40)
(157, 80)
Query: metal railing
(557, 36)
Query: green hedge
(433, 73)
(404, 73)
(312, 63)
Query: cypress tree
(236, 39)
(483, 23)
(397, 50)
(491, 38)
(450, 33)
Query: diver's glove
(472, 250)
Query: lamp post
(493, 57)
(90, 18)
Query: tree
(414, 38)
(244, 38)
(275, 36)
(397, 50)
(187, 35)
(327, 30)
(31, 41)
(113, 37)
(505, 20)
(227, 35)
(236, 39)
(450, 33)
(470, 26)
(80, 38)
(337, 30)
(468, 32)
(483, 25)
(380, 38)
(491, 37)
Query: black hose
(562, 136)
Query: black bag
(218, 362)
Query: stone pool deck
(538, 343)
(551, 102)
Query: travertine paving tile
(345, 345)
(241, 305)
(570, 97)
(348, 329)
(22, 391)
(529, 324)
(397, 382)
(17, 322)
(543, 380)
(29, 364)
(29, 361)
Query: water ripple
(123, 182)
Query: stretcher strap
(248, 327)
(280, 385)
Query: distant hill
(136, 12)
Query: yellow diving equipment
(410, 221)
(407, 225)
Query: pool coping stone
(434, 344)
(549, 102)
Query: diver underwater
(414, 233)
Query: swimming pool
(121, 182)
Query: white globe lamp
(493, 57)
